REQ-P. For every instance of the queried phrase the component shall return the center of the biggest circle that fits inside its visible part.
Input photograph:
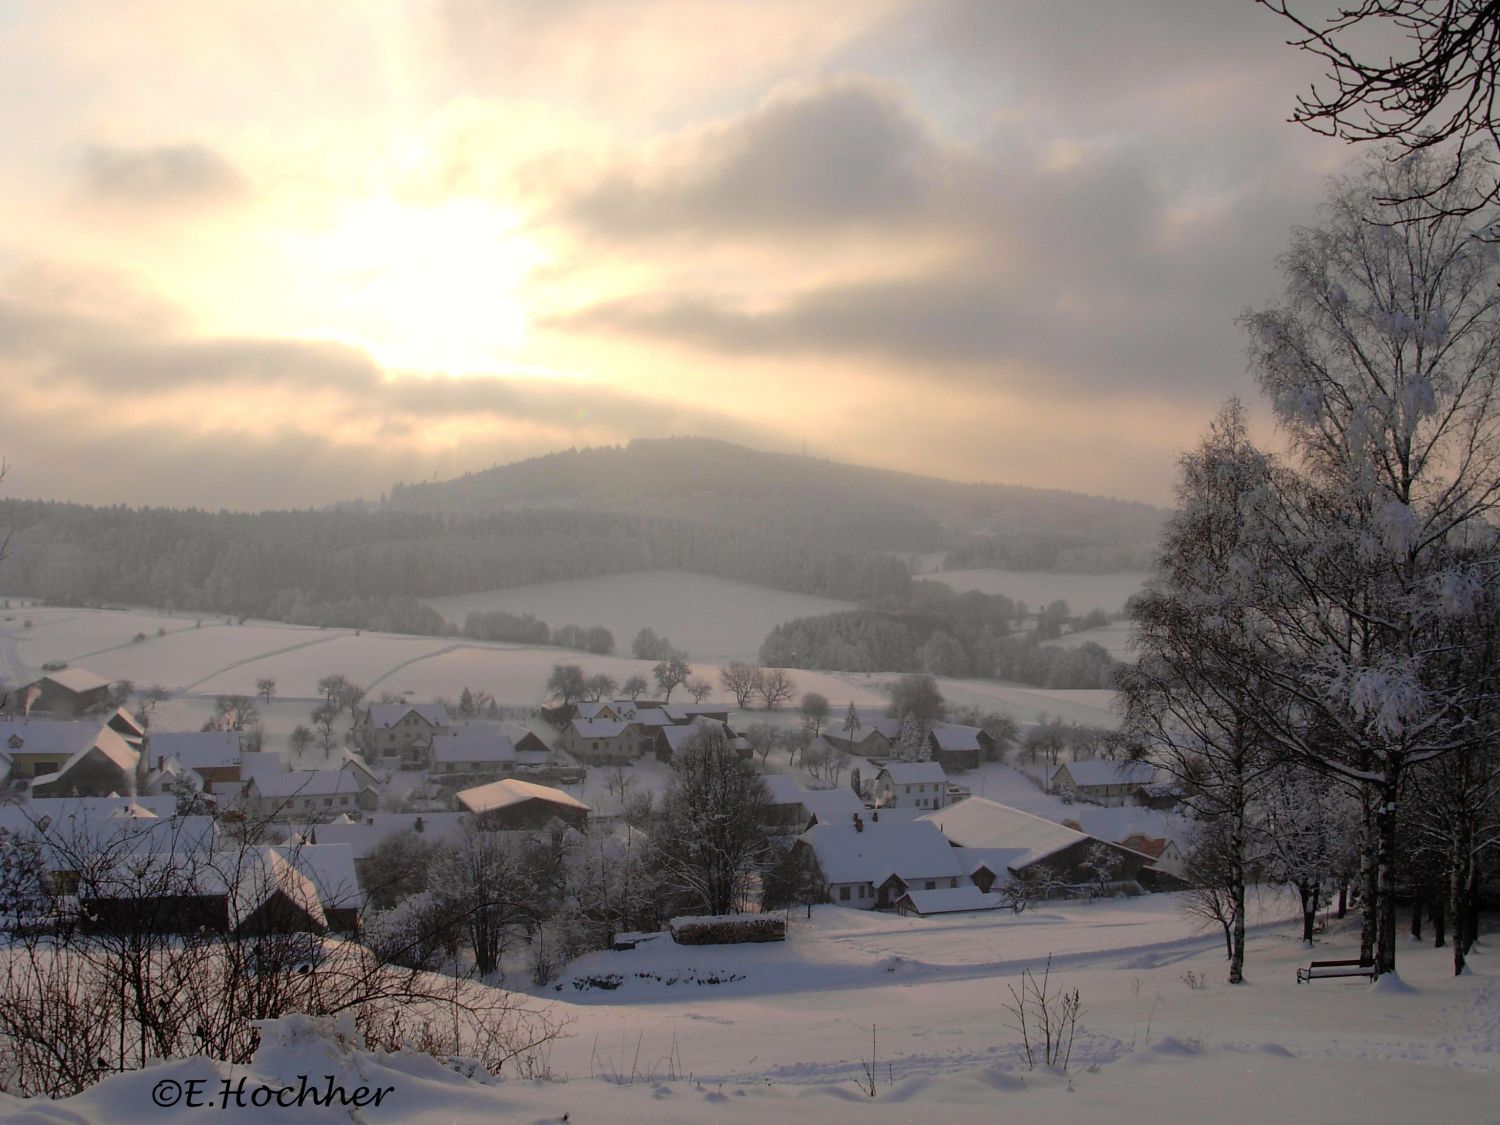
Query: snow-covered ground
(197, 662)
(786, 1033)
(710, 618)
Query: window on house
(931, 885)
(843, 894)
(327, 802)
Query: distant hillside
(712, 483)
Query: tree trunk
(1418, 904)
(1237, 890)
(1343, 911)
(1385, 875)
(1309, 895)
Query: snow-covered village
(920, 560)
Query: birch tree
(1381, 366)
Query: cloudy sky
(272, 254)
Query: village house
(515, 805)
(958, 748)
(1166, 856)
(1105, 782)
(461, 750)
(796, 808)
(400, 734)
(867, 863)
(910, 785)
(65, 693)
(671, 739)
(38, 747)
(309, 795)
(875, 739)
(213, 755)
(995, 843)
(106, 765)
(604, 742)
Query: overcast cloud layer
(268, 255)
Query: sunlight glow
(424, 288)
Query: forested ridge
(847, 507)
(364, 568)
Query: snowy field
(712, 619)
(196, 663)
(786, 1034)
(1113, 638)
(1082, 592)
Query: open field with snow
(196, 663)
(711, 618)
(786, 1034)
(1082, 592)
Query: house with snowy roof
(796, 808)
(868, 863)
(1105, 782)
(65, 692)
(400, 734)
(910, 785)
(671, 739)
(461, 750)
(994, 843)
(214, 755)
(39, 747)
(106, 764)
(309, 795)
(514, 805)
(604, 742)
(957, 748)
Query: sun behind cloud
(420, 288)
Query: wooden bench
(1354, 967)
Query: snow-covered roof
(385, 715)
(77, 680)
(364, 834)
(309, 783)
(197, 749)
(951, 900)
(511, 791)
(914, 773)
(982, 823)
(473, 746)
(599, 728)
(331, 868)
(49, 736)
(1099, 771)
(838, 804)
(679, 736)
(911, 849)
(259, 876)
(954, 737)
(107, 742)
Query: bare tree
(265, 688)
(1440, 88)
(775, 687)
(669, 673)
(741, 680)
(699, 690)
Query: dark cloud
(847, 152)
(160, 176)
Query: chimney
(859, 824)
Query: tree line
(368, 569)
